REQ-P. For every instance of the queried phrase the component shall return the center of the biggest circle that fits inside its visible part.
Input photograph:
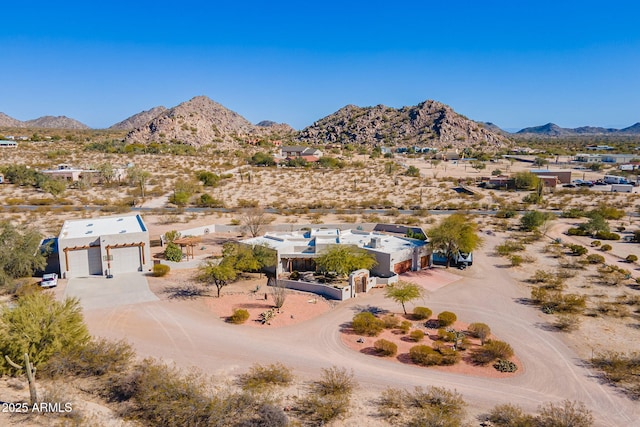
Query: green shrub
(510, 416)
(405, 326)
(577, 249)
(573, 231)
(491, 351)
(446, 318)
(607, 235)
(425, 355)
(449, 356)
(335, 381)
(416, 335)
(503, 365)
(606, 248)
(446, 336)
(385, 347)
(516, 260)
(366, 323)
(509, 246)
(631, 258)
(421, 313)
(240, 315)
(160, 270)
(173, 253)
(596, 243)
(390, 321)
(261, 377)
(595, 259)
(479, 330)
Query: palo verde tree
(403, 292)
(217, 274)
(455, 233)
(19, 253)
(344, 259)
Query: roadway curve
(188, 334)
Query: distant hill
(140, 119)
(51, 122)
(6, 121)
(198, 122)
(429, 123)
(553, 130)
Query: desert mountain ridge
(553, 130)
(47, 122)
(139, 119)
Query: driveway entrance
(100, 292)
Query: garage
(402, 267)
(98, 246)
(125, 259)
(83, 261)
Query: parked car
(599, 182)
(49, 280)
(569, 185)
(586, 184)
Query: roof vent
(90, 224)
(123, 231)
(120, 219)
(89, 232)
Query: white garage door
(125, 260)
(85, 262)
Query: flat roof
(102, 226)
(295, 242)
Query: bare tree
(279, 293)
(253, 220)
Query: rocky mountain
(429, 123)
(10, 122)
(197, 122)
(553, 130)
(139, 120)
(53, 122)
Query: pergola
(189, 243)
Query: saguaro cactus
(30, 371)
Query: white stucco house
(297, 250)
(103, 246)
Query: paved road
(97, 292)
(185, 332)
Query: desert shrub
(631, 258)
(449, 356)
(173, 253)
(510, 416)
(390, 321)
(240, 315)
(612, 309)
(621, 370)
(446, 318)
(503, 365)
(335, 381)
(385, 347)
(425, 355)
(596, 243)
(566, 322)
(160, 270)
(556, 301)
(541, 276)
(577, 249)
(479, 330)
(606, 248)
(260, 377)
(422, 313)
(595, 259)
(607, 235)
(567, 413)
(509, 246)
(366, 323)
(96, 358)
(446, 335)
(575, 231)
(321, 410)
(405, 326)
(391, 404)
(490, 351)
(432, 406)
(416, 335)
(573, 213)
(516, 260)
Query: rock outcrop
(55, 122)
(139, 120)
(429, 123)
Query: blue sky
(516, 64)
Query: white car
(49, 280)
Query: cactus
(30, 371)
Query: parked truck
(622, 188)
(614, 179)
(459, 259)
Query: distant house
(563, 176)
(103, 246)
(587, 158)
(68, 173)
(8, 144)
(298, 151)
(618, 158)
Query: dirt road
(189, 334)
